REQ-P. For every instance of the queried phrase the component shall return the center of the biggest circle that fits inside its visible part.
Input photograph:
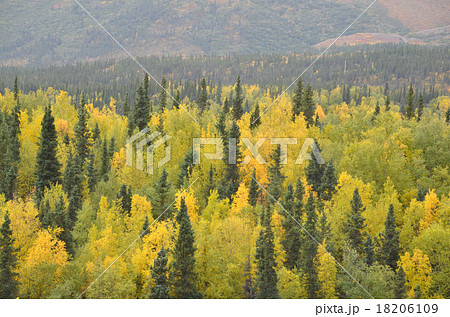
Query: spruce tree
(309, 249)
(161, 199)
(60, 219)
(447, 116)
(186, 168)
(308, 106)
(72, 184)
(400, 284)
(292, 230)
(254, 191)
(418, 292)
(203, 99)
(82, 133)
(176, 103)
(328, 183)
(369, 253)
(230, 182)
(8, 261)
(16, 89)
(391, 245)
(354, 224)
(297, 106)
(163, 95)
(255, 118)
(92, 177)
(265, 256)
(226, 106)
(410, 103)
(376, 112)
(141, 111)
(238, 109)
(160, 270)
(126, 107)
(183, 257)
(314, 173)
(145, 227)
(276, 177)
(249, 289)
(106, 163)
(96, 132)
(125, 197)
(387, 104)
(47, 164)
(420, 107)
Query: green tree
(176, 103)
(47, 164)
(297, 105)
(163, 95)
(328, 182)
(183, 257)
(418, 292)
(308, 106)
(186, 168)
(254, 191)
(387, 104)
(276, 177)
(410, 103)
(369, 253)
(16, 90)
(400, 290)
(238, 101)
(141, 110)
(160, 200)
(266, 276)
(203, 98)
(124, 198)
(106, 162)
(82, 133)
(354, 224)
(8, 261)
(391, 245)
(314, 173)
(231, 180)
(255, 118)
(160, 270)
(92, 173)
(126, 107)
(292, 231)
(309, 249)
(420, 107)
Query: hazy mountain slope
(55, 31)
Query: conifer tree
(160, 200)
(163, 95)
(309, 249)
(418, 292)
(249, 289)
(176, 103)
(96, 132)
(125, 197)
(276, 177)
(308, 106)
(106, 163)
(47, 164)
(141, 111)
(160, 270)
(420, 107)
(255, 118)
(391, 244)
(222, 128)
(226, 106)
(447, 116)
(72, 184)
(376, 112)
(126, 107)
(92, 177)
(145, 227)
(298, 195)
(111, 149)
(328, 182)
(410, 103)
(8, 261)
(369, 253)
(231, 180)
(265, 256)
(292, 230)
(314, 173)
(297, 106)
(186, 168)
(238, 109)
(354, 224)
(203, 99)
(82, 133)
(183, 257)
(387, 104)
(400, 284)
(60, 219)
(254, 191)
(16, 90)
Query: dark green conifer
(328, 182)
(106, 162)
(255, 118)
(276, 177)
(387, 104)
(82, 133)
(160, 271)
(92, 177)
(163, 95)
(420, 107)
(297, 105)
(203, 99)
(308, 106)
(8, 261)
(410, 103)
(391, 245)
(369, 253)
(238, 101)
(354, 224)
(418, 292)
(314, 173)
(292, 230)
(125, 197)
(183, 257)
(47, 164)
(232, 157)
(400, 284)
(161, 198)
(254, 191)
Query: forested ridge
(70, 205)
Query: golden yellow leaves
(432, 205)
(417, 271)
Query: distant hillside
(59, 31)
